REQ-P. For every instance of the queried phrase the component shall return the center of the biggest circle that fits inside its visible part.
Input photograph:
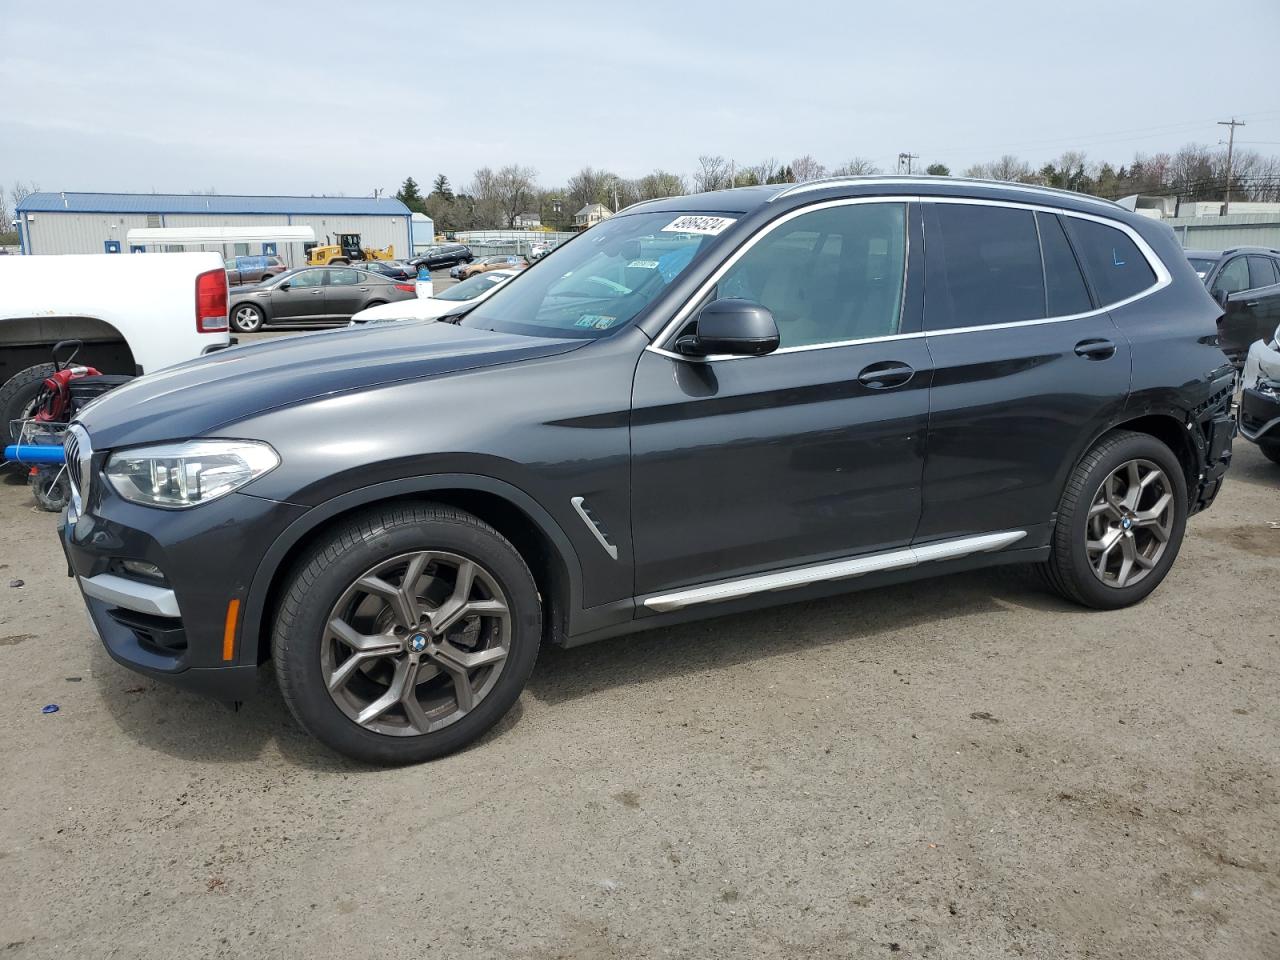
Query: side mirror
(284, 286)
(740, 328)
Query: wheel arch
(27, 341)
(1167, 426)
(512, 512)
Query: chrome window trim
(845, 569)
(1163, 277)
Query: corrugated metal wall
(87, 232)
(1220, 233)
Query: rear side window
(984, 266)
(1115, 265)
(1065, 288)
(1262, 272)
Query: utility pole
(904, 161)
(1231, 142)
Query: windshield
(470, 289)
(597, 283)
(1201, 266)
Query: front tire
(247, 318)
(406, 633)
(1270, 449)
(1120, 522)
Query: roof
(590, 207)
(207, 203)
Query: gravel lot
(963, 767)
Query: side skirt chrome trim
(578, 505)
(835, 570)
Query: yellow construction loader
(346, 250)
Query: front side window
(827, 276)
(306, 278)
(1113, 262)
(598, 283)
(1234, 277)
(984, 266)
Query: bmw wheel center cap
(417, 643)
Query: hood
(420, 309)
(196, 397)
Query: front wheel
(1270, 449)
(406, 633)
(247, 318)
(1120, 522)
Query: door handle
(316, 293)
(1251, 303)
(1096, 349)
(886, 374)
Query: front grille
(79, 454)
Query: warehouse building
(229, 225)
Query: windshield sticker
(644, 264)
(708, 226)
(596, 321)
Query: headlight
(181, 475)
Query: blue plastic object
(49, 708)
(35, 455)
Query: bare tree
(1007, 167)
(857, 167)
(20, 191)
(589, 186)
(712, 173)
(514, 188)
(660, 183)
(807, 168)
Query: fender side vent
(580, 505)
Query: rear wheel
(406, 633)
(1270, 449)
(51, 488)
(1120, 522)
(246, 318)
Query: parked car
(656, 431)
(1246, 283)
(393, 269)
(539, 250)
(450, 300)
(313, 295)
(445, 255)
(1260, 396)
(505, 261)
(134, 315)
(242, 270)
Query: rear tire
(51, 489)
(18, 396)
(1111, 547)
(246, 318)
(1270, 449)
(376, 712)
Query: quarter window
(1113, 262)
(345, 278)
(827, 276)
(984, 266)
(1065, 288)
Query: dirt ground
(962, 767)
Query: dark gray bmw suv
(704, 404)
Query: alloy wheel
(246, 319)
(1130, 523)
(416, 643)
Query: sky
(310, 98)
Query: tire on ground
(17, 394)
(335, 562)
(1068, 570)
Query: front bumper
(1260, 398)
(175, 629)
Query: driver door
(812, 453)
(304, 300)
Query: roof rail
(908, 179)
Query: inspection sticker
(595, 321)
(644, 264)
(710, 226)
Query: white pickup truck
(134, 313)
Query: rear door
(348, 291)
(1026, 368)
(1264, 296)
